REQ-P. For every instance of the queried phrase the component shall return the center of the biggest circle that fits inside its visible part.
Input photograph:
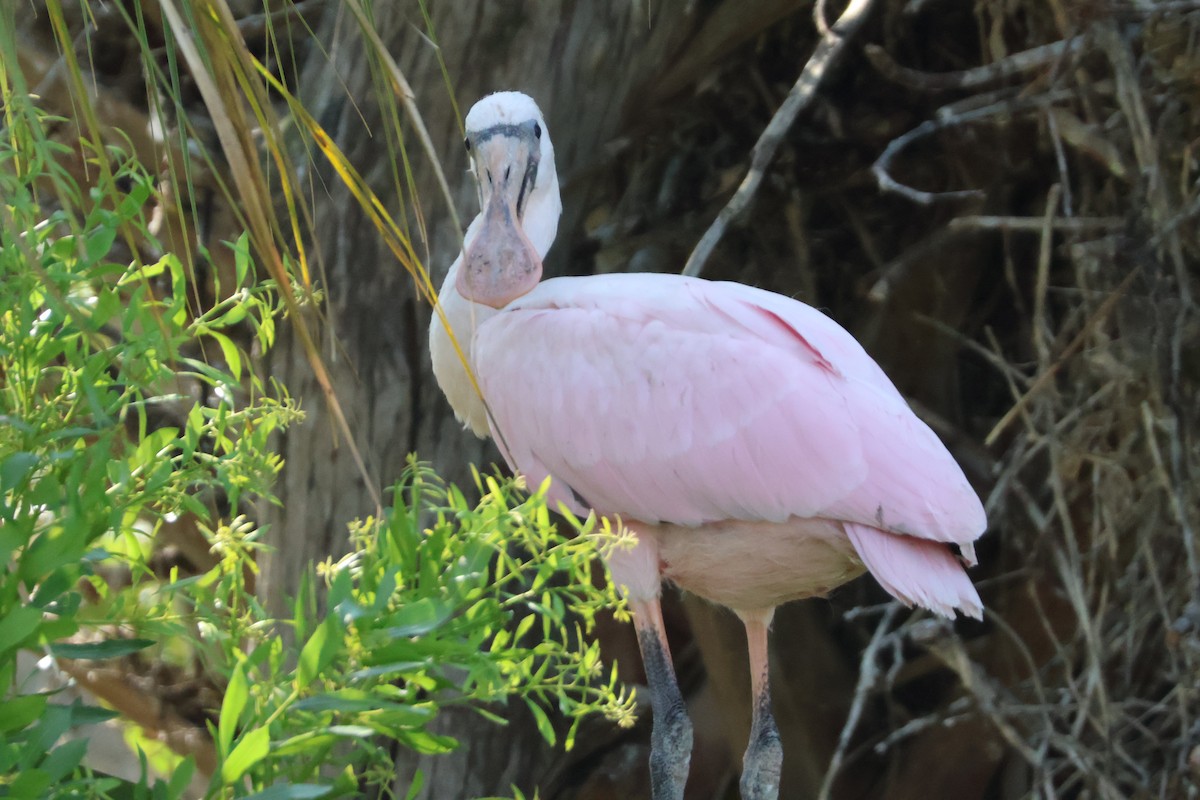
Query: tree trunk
(375, 341)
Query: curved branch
(1015, 64)
(949, 117)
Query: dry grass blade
(401, 87)
(389, 231)
(228, 114)
(1043, 380)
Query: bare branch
(948, 117)
(894, 271)
(829, 49)
(1015, 64)
(868, 675)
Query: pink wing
(672, 399)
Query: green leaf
(14, 469)
(18, 712)
(108, 305)
(252, 748)
(427, 743)
(31, 784)
(308, 743)
(312, 656)
(349, 701)
(544, 726)
(352, 731)
(292, 791)
(241, 258)
(99, 242)
(54, 721)
(320, 650)
(236, 694)
(19, 625)
(179, 310)
(418, 781)
(98, 651)
(419, 617)
(65, 758)
(393, 668)
(181, 778)
(233, 357)
(90, 715)
(133, 201)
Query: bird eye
(467, 144)
(537, 130)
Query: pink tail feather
(916, 571)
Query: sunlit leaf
(236, 694)
(251, 749)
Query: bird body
(714, 412)
(754, 449)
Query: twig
(1064, 176)
(888, 184)
(891, 273)
(867, 676)
(1169, 486)
(1015, 64)
(1042, 380)
(983, 222)
(819, 18)
(829, 49)
(949, 117)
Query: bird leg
(671, 737)
(764, 754)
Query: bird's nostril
(507, 171)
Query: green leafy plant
(96, 352)
(126, 404)
(486, 603)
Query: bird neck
(540, 223)
(542, 214)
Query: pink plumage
(666, 399)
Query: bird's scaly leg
(764, 754)
(671, 737)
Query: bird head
(513, 164)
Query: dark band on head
(525, 128)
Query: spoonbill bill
(747, 441)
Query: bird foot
(670, 753)
(762, 764)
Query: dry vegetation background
(1035, 298)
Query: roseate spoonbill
(754, 449)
